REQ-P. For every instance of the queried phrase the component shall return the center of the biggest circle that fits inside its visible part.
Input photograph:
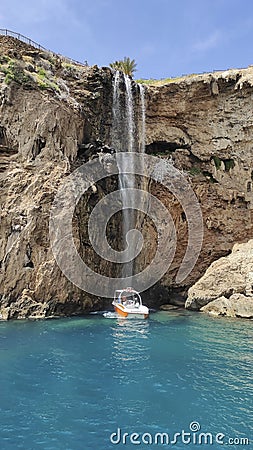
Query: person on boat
(136, 302)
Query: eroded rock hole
(38, 145)
(164, 148)
(3, 139)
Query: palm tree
(116, 65)
(126, 65)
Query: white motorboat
(127, 303)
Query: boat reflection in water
(129, 358)
(130, 342)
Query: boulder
(168, 307)
(238, 305)
(227, 286)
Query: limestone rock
(203, 123)
(43, 128)
(227, 281)
(237, 305)
(169, 307)
(55, 116)
(24, 307)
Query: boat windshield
(130, 298)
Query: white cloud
(207, 43)
(49, 22)
(41, 12)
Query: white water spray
(127, 137)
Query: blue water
(69, 384)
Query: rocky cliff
(226, 289)
(56, 115)
(52, 115)
(204, 124)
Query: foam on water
(110, 315)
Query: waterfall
(143, 119)
(127, 137)
(130, 125)
(117, 119)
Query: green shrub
(44, 82)
(47, 84)
(195, 170)
(209, 175)
(229, 164)
(4, 59)
(70, 70)
(217, 162)
(8, 78)
(14, 72)
(42, 73)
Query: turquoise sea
(102, 383)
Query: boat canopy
(127, 296)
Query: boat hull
(130, 314)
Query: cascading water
(127, 137)
(130, 125)
(143, 119)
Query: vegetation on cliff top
(25, 72)
(34, 69)
(126, 65)
(163, 81)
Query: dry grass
(163, 81)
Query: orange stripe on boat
(120, 312)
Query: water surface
(69, 384)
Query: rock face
(227, 286)
(55, 116)
(237, 305)
(204, 124)
(50, 118)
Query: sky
(167, 38)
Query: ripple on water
(72, 381)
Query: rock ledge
(227, 286)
